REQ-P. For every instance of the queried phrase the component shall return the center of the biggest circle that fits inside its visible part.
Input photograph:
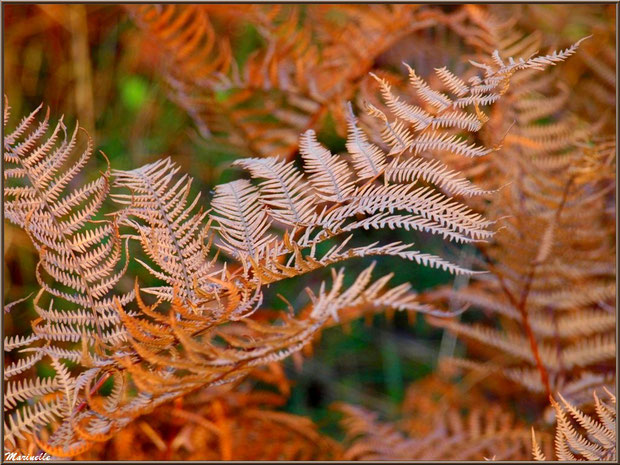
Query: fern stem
(94, 389)
(522, 307)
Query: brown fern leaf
(552, 284)
(81, 262)
(171, 233)
(475, 437)
(580, 436)
(76, 252)
(568, 294)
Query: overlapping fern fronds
(480, 435)
(579, 436)
(309, 62)
(552, 286)
(201, 331)
(82, 260)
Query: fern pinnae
(25, 123)
(600, 443)
(540, 62)
(406, 222)
(481, 100)
(457, 119)
(29, 418)
(437, 141)
(208, 339)
(597, 429)
(242, 218)
(430, 96)
(607, 415)
(575, 442)
(40, 167)
(66, 383)
(30, 140)
(284, 190)
(152, 181)
(589, 351)
(433, 261)
(398, 137)
(418, 201)
(374, 199)
(24, 389)
(411, 113)
(368, 159)
(14, 342)
(174, 234)
(433, 171)
(329, 176)
(454, 84)
(21, 365)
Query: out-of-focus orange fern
(219, 424)
(311, 61)
(552, 267)
(476, 436)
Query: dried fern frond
(172, 234)
(567, 295)
(562, 317)
(284, 191)
(81, 262)
(452, 437)
(76, 252)
(244, 216)
(579, 436)
(332, 180)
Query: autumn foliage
(329, 163)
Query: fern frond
(30, 418)
(436, 142)
(21, 365)
(411, 113)
(454, 84)
(477, 436)
(204, 329)
(368, 159)
(329, 176)
(595, 441)
(242, 218)
(541, 62)
(54, 217)
(14, 342)
(284, 191)
(435, 172)
(436, 99)
(174, 233)
(25, 389)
